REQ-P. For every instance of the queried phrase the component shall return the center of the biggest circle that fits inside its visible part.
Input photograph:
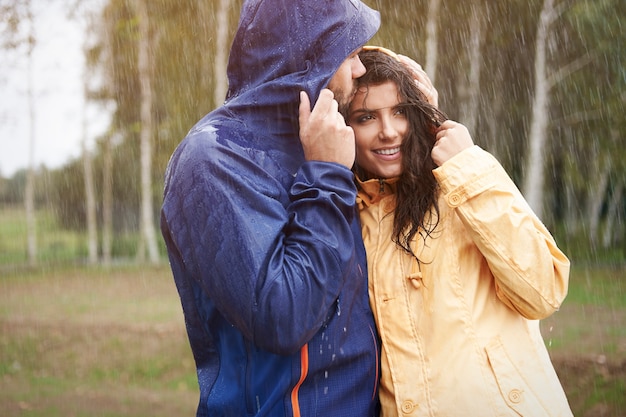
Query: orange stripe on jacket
(304, 370)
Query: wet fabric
(265, 247)
(459, 330)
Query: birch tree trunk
(432, 38)
(572, 216)
(221, 54)
(90, 204)
(471, 104)
(613, 228)
(143, 67)
(534, 178)
(107, 201)
(596, 200)
(90, 199)
(107, 165)
(533, 185)
(29, 189)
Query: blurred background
(96, 94)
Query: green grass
(599, 286)
(590, 321)
(111, 342)
(53, 244)
(587, 340)
(606, 392)
(94, 342)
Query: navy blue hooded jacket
(266, 247)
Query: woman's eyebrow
(360, 111)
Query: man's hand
(421, 79)
(323, 131)
(452, 138)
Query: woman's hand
(452, 138)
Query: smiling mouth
(391, 151)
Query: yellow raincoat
(459, 330)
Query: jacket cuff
(328, 176)
(466, 175)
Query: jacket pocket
(514, 389)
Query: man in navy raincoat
(262, 233)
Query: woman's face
(380, 125)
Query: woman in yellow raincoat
(460, 268)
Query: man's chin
(344, 99)
(343, 103)
(344, 109)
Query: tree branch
(569, 69)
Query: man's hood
(282, 47)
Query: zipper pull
(382, 185)
(416, 279)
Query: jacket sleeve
(273, 260)
(531, 273)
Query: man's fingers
(304, 111)
(325, 103)
(323, 131)
(325, 106)
(422, 80)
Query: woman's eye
(364, 118)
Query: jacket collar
(373, 191)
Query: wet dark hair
(417, 211)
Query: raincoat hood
(280, 50)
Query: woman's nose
(387, 131)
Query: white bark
(572, 220)
(221, 54)
(432, 38)
(90, 203)
(90, 198)
(596, 199)
(143, 67)
(29, 190)
(107, 202)
(572, 210)
(534, 179)
(107, 168)
(471, 104)
(613, 213)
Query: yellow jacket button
(515, 396)
(407, 406)
(454, 199)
